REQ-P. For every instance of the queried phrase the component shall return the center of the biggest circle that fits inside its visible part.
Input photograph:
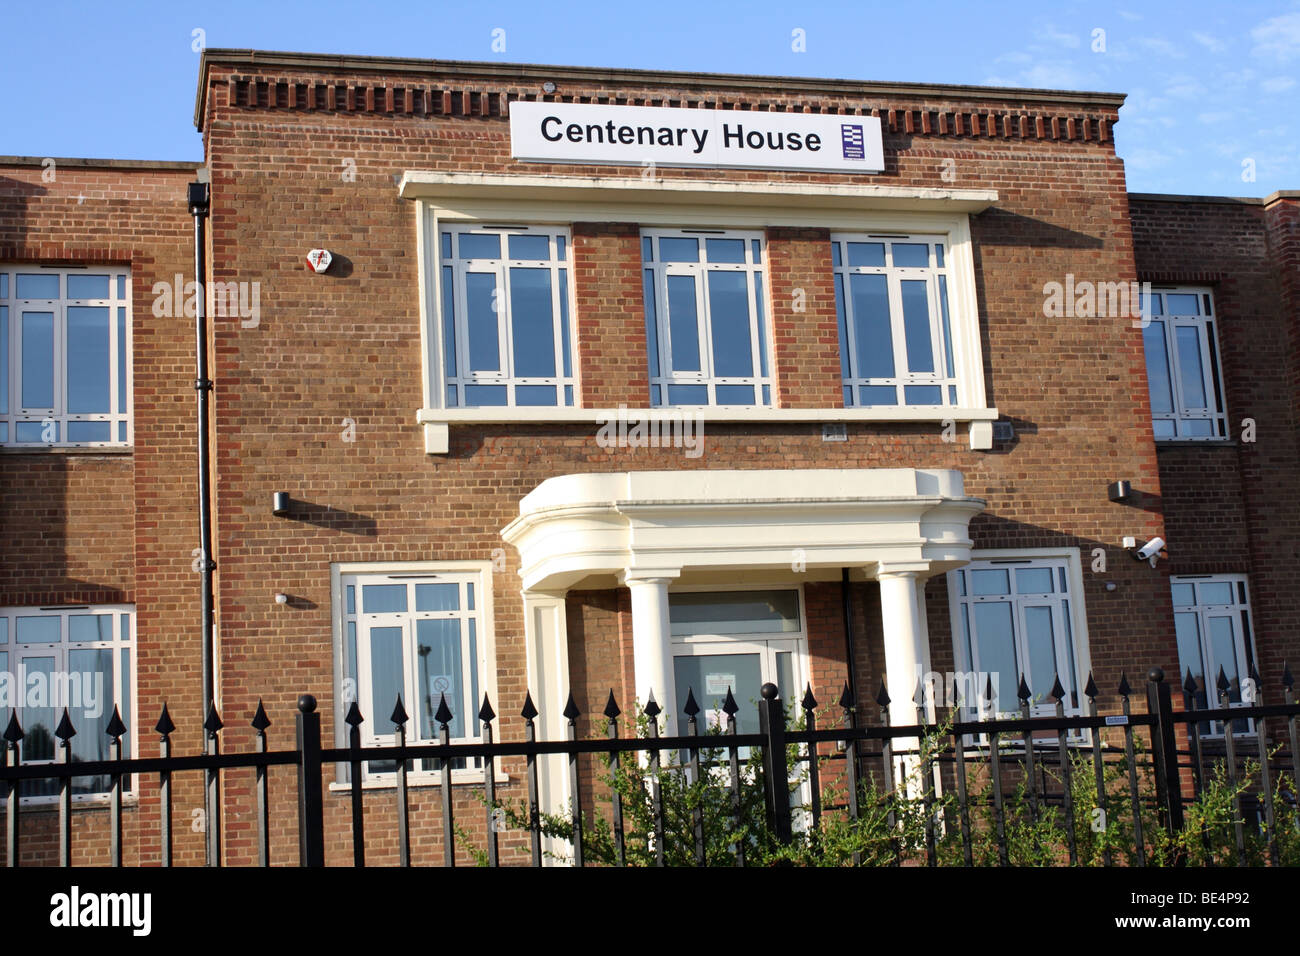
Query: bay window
(420, 635)
(705, 325)
(1182, 356)
(78, 658)
(1017, 614)
(65, 347)
(891, 300)
(504, 297)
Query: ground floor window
(1018, 615)
(78, 658)
(738, 641)
(417, 636)
(1213, 625)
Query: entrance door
(710, 669)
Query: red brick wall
(1232, 506)
(78, 527)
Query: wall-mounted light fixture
(1119, 490)
(280, 504)
(548, 87)
(282, 599)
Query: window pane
(1215, 592)
(835, 254)
(441, 673)
(535, 395)
(916, 325)
(866, 254)
(647, 249)
(480, 396)
(37, 630)
(651, 324)
(437, 597)
(1153, 342)
(679, 250)
(529, 247)
(36, 432)
(1033, 580)
(38, 360)
(990, 581)
(479, 246)
(449, 320)
(683, 324)
(734, 394)
(725, 250)
(564, 322)
(481, 306)
(710, 676)
(1223, 650)
(87, 286)
(911, 255)
(385, 674)
(1182, 304)
(4, 631)
(352, 599)
(38, 722)
(729, 317)
(1188, 631)
(688, 395)
(37, 287)
(1040, 644)
(875, 346)
(90, 703)
(1184, 595)
(90, 627)
(383, 598)
(88, 359)
(1163, 428)
(532, 321)
(843, 325)
(121, 287)
(879, 395)
(446, 245)
(1191, 372)
(995, 650)
(947, 325)
(733, 612)
(4, 359)
(922, 395)
(758, 314)
(122, 369)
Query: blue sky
(1213, 88)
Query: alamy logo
(242, 300)
(853, 140)
(74, 908)
(43, 689)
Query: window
(417, 635)
(1182, 353)
(1212, 623)
(73, 657)
(891, 298)
(1016, 615)
(65, 346)
(505, 316)
(705, 327)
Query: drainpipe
(198, 195)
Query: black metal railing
(1031, 763)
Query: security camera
(1150, 550)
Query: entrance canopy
(588, 530)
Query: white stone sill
(436, 421)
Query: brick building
(600, 392)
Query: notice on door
(717, 685)
(664, 136)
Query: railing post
(1165, 745)
(311, 809)
(771, 722)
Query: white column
(905, 650)
(652, 648)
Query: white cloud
(1161, 47)
(1145, 158)
(1053, 35)
(1277, 84)
(1213, 117)
(1278, 37)
(1130, 15)
(1184, 87)
(1210, 42)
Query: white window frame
(657, 271)
(1067, 560)
(1239, 612)
(450, 388)
(12, 308)
(479, 573)
(1212, 384)
(938, 302)
(123, 693)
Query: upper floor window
(891, 297)
(1213, 627)
(1182, 353)
(505, 316)
(1014, 616)
(705, 326)
(78, 658)
(420, 636)
(65, 347)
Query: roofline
(1275, 196)
(101, 163)
(541, 72)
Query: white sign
(319, 260)
(717, 685)
(642, 135)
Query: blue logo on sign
(854, 141)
